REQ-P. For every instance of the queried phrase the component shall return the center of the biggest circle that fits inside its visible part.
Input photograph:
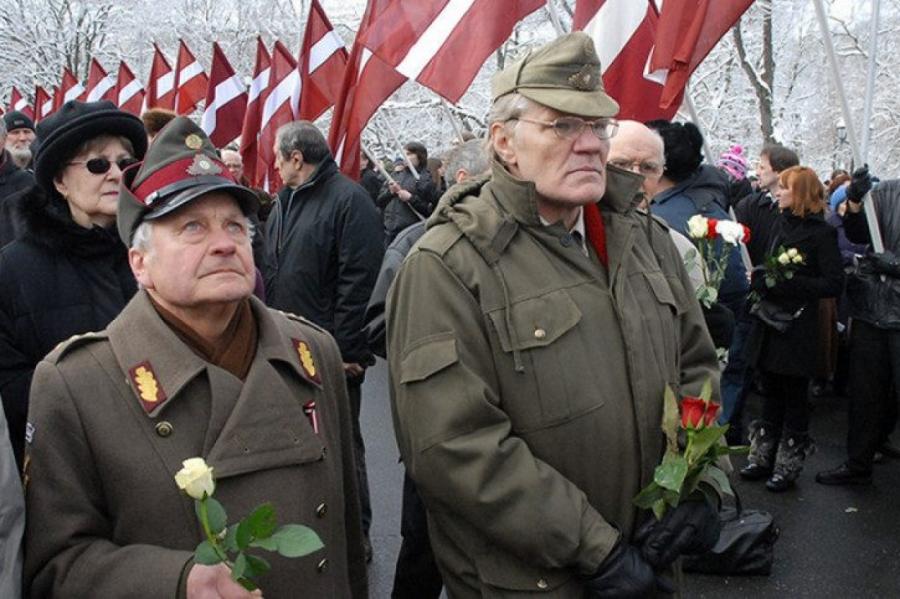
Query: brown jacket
(105, 518)
(527, 382)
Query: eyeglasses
(571, 127)
(101, 166)
(645, 167)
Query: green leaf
(770, 281)
(648, 496)
(205, 554)
(215, 513)
(243, 536)
(701, 441)
(671, 419)
(659, 509)
(239, 567)
(295, 540)
(670, 474)
(262, 521)
(230, 540)
(715, 473)
(706, 391)
(789, 274)
(256, 566)
(269, 544)
(247, 584)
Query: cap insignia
(306, 360)
(148, 388)
(202, 165)
(586, 79)
(193, 141)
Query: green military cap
(180, 166)
(564, 75)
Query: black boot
(792, 452)
(844, 475)
(763, 443)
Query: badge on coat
(307, 363)
(149, 390)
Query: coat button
(542, 584)
(540, 333)
(566, 240)
(321, 510)
(322, 566)
(164, 429)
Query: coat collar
(158, 365)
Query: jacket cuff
(598, 538)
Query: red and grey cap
(180, 166)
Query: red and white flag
(323, 61)
(161, 85)
(226, 101)
(368, 82)
(688, 31)
(101, 85)
(129, 91)
(278, 107)
(43, 103)
(442, 44)
(191, 81)
(69, 89)
(20, 103)
(253, 115)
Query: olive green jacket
(106, 518)
(527, 381)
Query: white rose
(784, 259)
(697, 227)
(196, 478)
(798, 259)
(793, 253)
(730, 231)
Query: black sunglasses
(101, 166)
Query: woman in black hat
(68, 273)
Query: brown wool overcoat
(105, 517)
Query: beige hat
(564, 75)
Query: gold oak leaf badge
(146, 384)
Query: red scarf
(596, 232)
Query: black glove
(689, 529)
(625, 574)
(860, 184)
(886, 263)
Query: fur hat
(734, 162)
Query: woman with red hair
(804, 266)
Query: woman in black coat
(786, 361)
(407, 199)
(68, 273)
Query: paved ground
(835, 542)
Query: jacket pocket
(428, 356)
(661, 310)
(504, 575)
(541, 335)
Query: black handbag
(774, 315)
(745, 546)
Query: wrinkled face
(288, 167)
(93, 197)
(638, 149)
(784, 196)
(768, 178)
(565, 172)
(200, 255)
(19, 139)
(234, 163)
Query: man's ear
(298, 156)
(502, 143)
(137, 259)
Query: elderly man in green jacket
(531, 335)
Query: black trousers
(354, 390)
(417, 575)
(786, 403)
(874, 383)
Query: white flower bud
(697, 227)
(196, 478)
(784, 259)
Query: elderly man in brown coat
(193, 366)
(531, 334)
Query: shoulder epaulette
(63, 348)
(301, 320)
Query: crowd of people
(529, 291)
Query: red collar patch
(147, 386)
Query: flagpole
(870, 83)
(745, 254)
(399, 145)
(874, 229)
(377, 163)
(452, 118)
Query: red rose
(746, 239)
(696, 413)
(711, 230)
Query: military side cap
(564, 75)
(180, 166)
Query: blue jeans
(733, 378)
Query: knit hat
(838, 196)
(734, 162)
(15, 119)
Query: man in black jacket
(324, 247)
(13, 181)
